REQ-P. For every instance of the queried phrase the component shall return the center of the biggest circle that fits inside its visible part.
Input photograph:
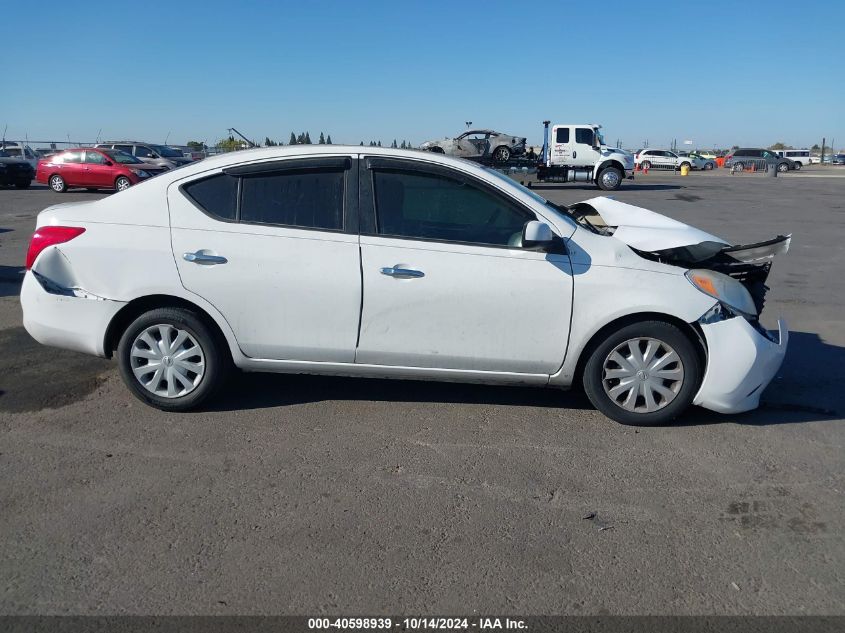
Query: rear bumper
(741, 362)
(64, 320)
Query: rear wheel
(643, 374)
(798, 166)
(57, 184)
(610, 179)
(170, 359)
(502, 154)
(122, 183)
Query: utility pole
(823, 140)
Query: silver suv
(150, 153)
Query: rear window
(217, 195)
(309, 199)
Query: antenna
(167, 137)
(98, 135)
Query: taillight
(48, 236)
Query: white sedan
(382, 262)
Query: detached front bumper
(741, 362)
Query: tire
(502, 154)
(708, 166)
(645, 164)
(609, 179)
(24, 184)
(122, 183)
(57, 184)
(798, 166)
(680, 386)
(783, 167)
(737, 166)
(210, 359)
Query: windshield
(122, 157)
(600, 137)
(167, 152)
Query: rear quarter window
(216, 195)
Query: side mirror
(536, 234)
(109, 163)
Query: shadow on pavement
(799, 392)
(11, 278)
(586, 186)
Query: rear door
(71, 168)
(446, 283)
(274, 247)
(561, 150)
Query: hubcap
(56, 183)
(610, 179)
(122, 184)
(642, 375)
(167, 361)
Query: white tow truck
(578, 153)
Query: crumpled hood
(646, 230)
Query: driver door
(446, 284)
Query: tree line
(303, 138)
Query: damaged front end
(749, 264)
(742, 356)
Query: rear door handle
(402, 273)
(204, 258)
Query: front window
(584, 135)
(436, 207)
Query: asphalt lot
(307, 495)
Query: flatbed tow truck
(578, 153)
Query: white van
(800, 157)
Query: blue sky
(718, 73)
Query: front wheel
(170, 359)
(502, 154)
(783, 167)
(122, 183)
(645, 165)
(643, 374)
(708, 166)
(610, 179)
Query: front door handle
(402, 273)
(203, 258)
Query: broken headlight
(726, 290)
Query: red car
(93, 169)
